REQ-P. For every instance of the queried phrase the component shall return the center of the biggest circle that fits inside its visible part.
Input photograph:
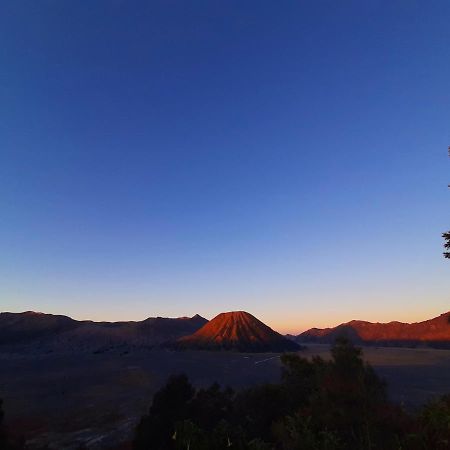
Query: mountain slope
(19, 327)
(237, 330)
(52, 332)
(434, 332)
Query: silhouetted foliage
(2, 430)
(6, 442)
(258, 407)
(336, 404)
(335, 401)
(435, 424)
(211, 406)
(446, 237)
(299, 432)
(170, 405)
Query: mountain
(237, 330)
(434, 333)
(53, 332)
(19, 327)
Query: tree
(434, 422)
(258, 407)
(2, 431)
(170, 405)
(211, 405)
(320, 404)
(6, 442)
(446, 237)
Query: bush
(340, 404)
(435, 424)
(170, 405)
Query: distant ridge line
(433, 332)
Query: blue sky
(172, 158)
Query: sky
(169, 158)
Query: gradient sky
(172, 158)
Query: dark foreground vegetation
(6, 442)
(319, 405)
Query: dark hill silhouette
(434, 333)
(19, 327)
(237, 330)
(55, 332)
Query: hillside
(239, 331)
(434, 332)
(50, 332)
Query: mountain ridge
(433, 332)
(230, 330)
(239, 331)
(53, 331)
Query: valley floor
(96, 399)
